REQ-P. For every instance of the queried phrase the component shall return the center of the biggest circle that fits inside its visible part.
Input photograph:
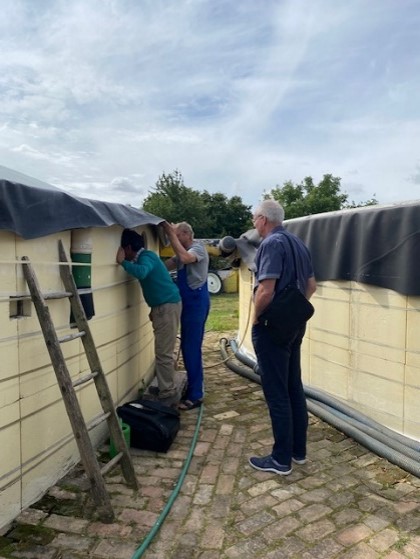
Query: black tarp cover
(378, 245)
(32, 209)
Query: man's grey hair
(184, 227)
(272, 210)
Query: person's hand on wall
(120, 255)
(168, 228)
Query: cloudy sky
(100, 97)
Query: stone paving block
(226, 429)
(213, 536)
(354, 534)
(394, 555)
(225, 484)
(325, 549)
(209, 473)
(140, 517)
(31, 517)
(360, 551)
(108, 530)
(281, 528)
(376, 522)
(65, 524)
(262, 487)
(281, 494)
(255, 523)
(412, 547)
(115, 549)
(258, 503)
(382, 541)
(230, 464)
(341, 499)
(290, 546)
(313, 512)
(202, 449)
(316, 530)
(226, 415)
(76, 543)
(34, 552)
(59, 493)
(288, 507)
(208, 435)
(195, 520)
(408, 522)
(406, 507)
(346, 516)
(316, 495)
(248, 548)
(203, 494)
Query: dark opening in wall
(20, 307)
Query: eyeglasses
(257, 217)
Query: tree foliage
(211, 216)
(308, 198)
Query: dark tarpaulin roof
(31, 208)
(378, 245)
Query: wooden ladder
(81, 430)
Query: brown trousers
(165, 321)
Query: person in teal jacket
(162, 296)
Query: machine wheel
(214, 283)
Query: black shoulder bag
(288, 311)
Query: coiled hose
(396, 448)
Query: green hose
(140, 550)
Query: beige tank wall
(33, 422)
(362, 346)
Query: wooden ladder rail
(67, 387)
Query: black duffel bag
(153, 425)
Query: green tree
(211, 216)
(308, 198)
(226, 216)
(175, 202)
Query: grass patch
(224, 312)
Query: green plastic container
(127, 436)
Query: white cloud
(103, 96)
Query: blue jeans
(281, 382)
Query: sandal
(189, 404)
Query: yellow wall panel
(331, 377)
(381, 368)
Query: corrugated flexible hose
(398, 449)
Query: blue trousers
(195, 309)
(281, 382)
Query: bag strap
(293, 254)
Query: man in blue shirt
(164, 300)
(279, 365)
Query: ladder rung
(111, 464)
(57, 295)
(97, 421)
(71, 337)
(84, 379)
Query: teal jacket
(155, 280)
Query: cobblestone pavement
(344, 503)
